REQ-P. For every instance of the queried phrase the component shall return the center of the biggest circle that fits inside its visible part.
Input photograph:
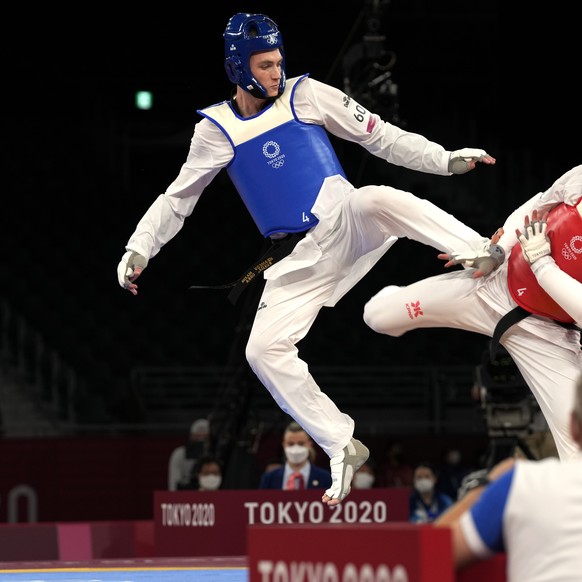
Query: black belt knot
(278, 250)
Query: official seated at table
(299, 470)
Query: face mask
(210, 482)
(423, 485)
(296, 453)
(363, 480)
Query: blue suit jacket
(318, 478)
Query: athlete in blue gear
(531, 510)
(271, 137)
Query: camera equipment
(367, 66)
(508, 406)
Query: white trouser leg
(447, 300)
(399, 213)
(551, 372)
(291, 304)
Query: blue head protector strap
(246, 34)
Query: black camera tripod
(501, 447)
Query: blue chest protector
(279, 163)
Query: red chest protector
(565, 234)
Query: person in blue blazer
(298, 472)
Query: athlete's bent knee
(377, 313)
(375, 318)
(264, 353)
(372, 199)
(255, 351)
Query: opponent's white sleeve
(561, 287)
(567, 188)
(316, 102)
(209, 152)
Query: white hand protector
(486, 260)
(459, 159)
(127, 266)
(534, 240)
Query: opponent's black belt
(511, 318)
(279, 249)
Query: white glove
(126, 268)
(459, 159)
(534, 240)
(486, 260)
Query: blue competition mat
(127, 575)
(159, 570)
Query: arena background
(81, 165)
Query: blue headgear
(246, 34)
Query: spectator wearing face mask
(299, 470)
(426, 501)
(183, 458)
(207, 474)
(365, 476)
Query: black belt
(278, 250)
(510, 318)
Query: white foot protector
(343, 467)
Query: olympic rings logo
(570, 251)
(272, 151)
